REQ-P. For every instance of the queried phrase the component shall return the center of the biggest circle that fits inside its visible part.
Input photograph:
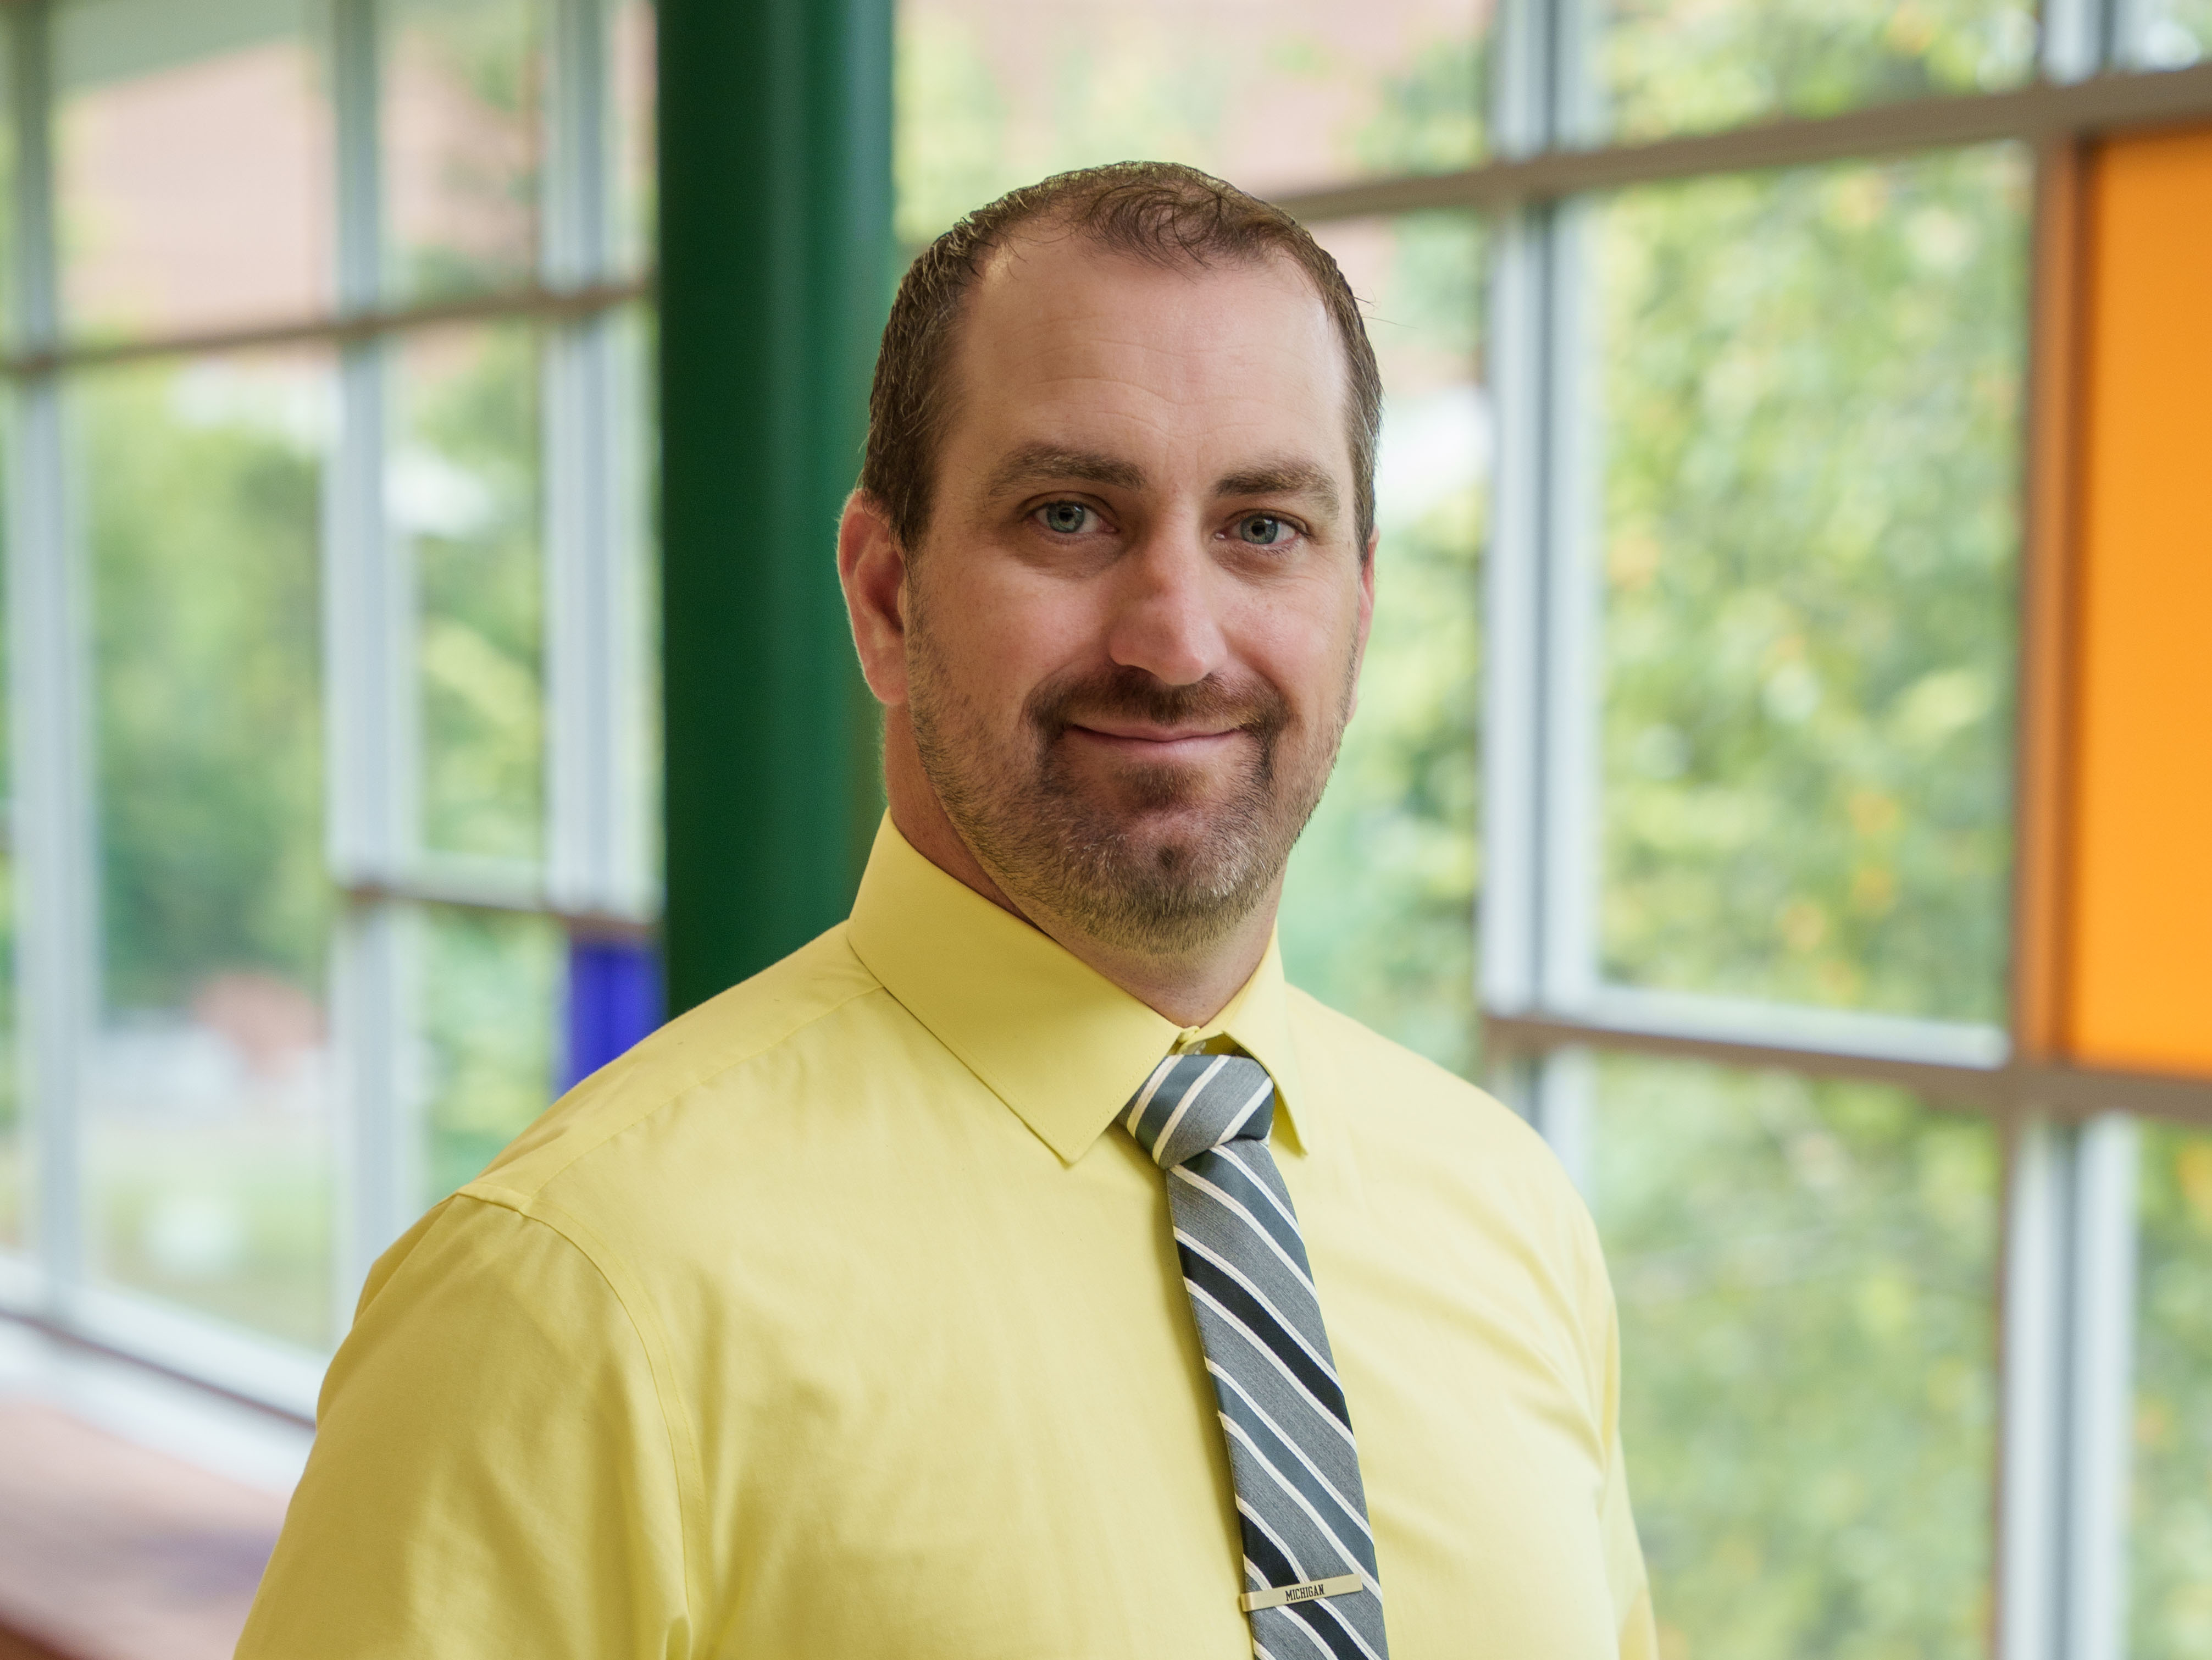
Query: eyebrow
(1035, 464)
(1283, 478)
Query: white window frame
(596, 875)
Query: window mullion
(578, 181)
(1572, 671)
(2100, 1386)
(2032, 1413)
(369, 617)
(2069, 1274)
(1521, 79)
(2077, 37)
(592, 666)
(57, 889)
(1513, 603)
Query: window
(1764, 777)
(1806, 410)
(1384, 880)
(992, 94)
(327, 580)
(2170, 1519)
(1736, 787)
(1660, 67)
(206, 1108)
(1803, 1270)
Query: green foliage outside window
(1810, 411)
(1378, 907)
(2170, 1532)
(1806, 1278)
(2176, 32)
(1808, 396)
(1430, 116)
(203, 528)
(1668, 66)
(203, 532)
(208, 1149)
(490, 1010)
(14, 1176)
(463, 112)
(466, 488)
(1191, 82)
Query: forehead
(1062, 340)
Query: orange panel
(2139, 990)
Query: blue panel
(614, 999)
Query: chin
(1187, 828)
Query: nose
(1166, 620)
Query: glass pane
(16, 1222)
(1665, 66)
(15, 1168)
(491, 990)
(2175, 34)
(2136, 962)
(640, 437)
(2170, 1532)
(615, 1001)
(207, 1091)
(464, 490)
(636, 189)
(1810, 408)
(992, 94)
(462, 85)
(194, 165)
(1378, 912)
(1805, 1275)
(8, 317)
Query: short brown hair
(1156, 211)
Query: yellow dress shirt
(837, 1320)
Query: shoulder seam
(683, 1445)
(486, 1188)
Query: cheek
(998, 634)
(1305, 652)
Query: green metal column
(775, 262)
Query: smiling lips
(1142, 741)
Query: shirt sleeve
(493, 1472)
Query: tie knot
(1195, 1101)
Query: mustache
(1133, 693)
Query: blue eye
(1263, 529)
(1066, 518)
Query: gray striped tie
(1309, 1556)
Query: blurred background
(1784, 768)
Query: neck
(1189, 988)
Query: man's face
(1135, 623)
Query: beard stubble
(1086, 853)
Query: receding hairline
(1262, 477)
(1160, 214)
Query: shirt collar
(1060, 1044)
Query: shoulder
(1409, 1121)
(1393, 1092)
(820, 999)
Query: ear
(871, 568)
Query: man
(1022, 1269)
